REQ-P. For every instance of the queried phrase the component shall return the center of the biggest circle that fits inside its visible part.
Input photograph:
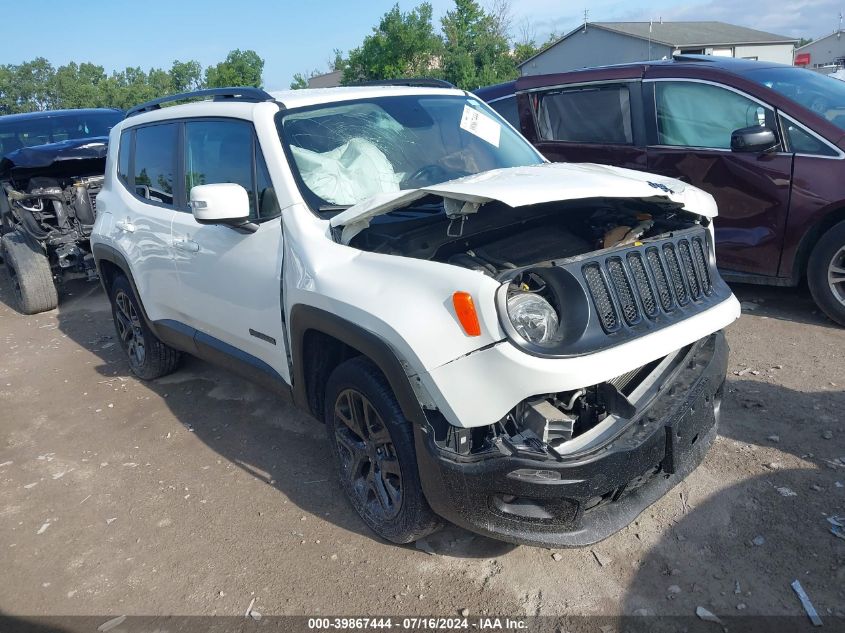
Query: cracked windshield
(348, 152)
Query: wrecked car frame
(532, 351)
(51, 171)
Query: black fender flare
(305, 318)
(104, 252)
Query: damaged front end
(569, 469)
(581, 274)
(51, 194)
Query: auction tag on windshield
(481, 125)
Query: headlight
(532, 316)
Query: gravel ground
(197, 493)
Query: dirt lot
(197, 493)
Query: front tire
(373, 448)
(826, 273)
(148, 357)
(31, 275)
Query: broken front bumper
(581, 499)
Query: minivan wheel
(826, 273)
(29, 270)
(148, 357)
(373, 448)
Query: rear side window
(226, 152)
(693, 114)
(595, 114)
(507, 108)
(155, 162)
(123, 156)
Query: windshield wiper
(332, 207)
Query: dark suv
(51, 170)
(766, 140)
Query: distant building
(326, 80)
(825, 53)
(604, 43)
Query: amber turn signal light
(465, 309)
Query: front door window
(692, 114)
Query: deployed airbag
(348, 174)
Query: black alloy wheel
(367, 456)
(129, 329)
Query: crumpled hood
(29, 160)
(535, 184)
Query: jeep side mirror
(222, 203)
(757, 138)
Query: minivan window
(802, 142)
(155, 162)
(823, 95)
(691, 114)
(595, 114)
(222, 151)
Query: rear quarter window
(594, 114)
(123, 156)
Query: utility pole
(650, 26)
(586, 13)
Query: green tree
(7, 104)
(186, 76)
(33, 86)
(299, 81)
(337, 62)
(804, 41)
(240, 68)
(78, 86)
(523, 51)
(402, 45)
(476, 51)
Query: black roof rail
(418, 82)
(251, 95)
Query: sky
(300, 36)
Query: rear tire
(826, 273)
(148, 357)
(373, 448)
(31, 275)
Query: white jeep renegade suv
(529, 350)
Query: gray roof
(694, 33)
(819, 39)
(326, 80)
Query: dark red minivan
(766, 140)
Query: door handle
(125, 225)
(189, 246)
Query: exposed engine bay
(502, 241)
(60, 214)
(577, 276)
(54, 203)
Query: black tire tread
(32, 268)
(416, 519)
(817, 266)
(160, 359)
